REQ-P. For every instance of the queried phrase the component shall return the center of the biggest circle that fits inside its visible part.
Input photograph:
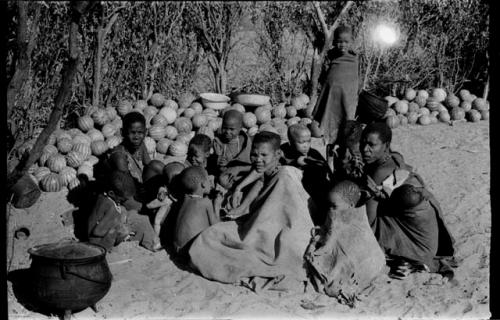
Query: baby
(196, 212)
(110, 223)
(167, 193)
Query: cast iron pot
(69, 276)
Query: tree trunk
(63, 94)
(25, 43)
(97, 66)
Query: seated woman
(270, 240)
(411, 237)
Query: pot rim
(34, 254)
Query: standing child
(196, 212)
(344, 257)
(110, 223)
(338, 99)
(231, 158)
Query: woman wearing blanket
(268, 240)
(409, 225)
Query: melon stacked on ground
(433, 106)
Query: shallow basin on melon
(214, 100)
(253, 100)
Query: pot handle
(65, 270)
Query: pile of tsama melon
(170, 126)
(424, 108)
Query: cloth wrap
(353, 258)
(338, 95)
(270, 243)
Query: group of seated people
(273, 204)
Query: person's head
(194, 180)
(350, 136)
(265, 153)
(134, 129)
(344, 195)
(375, 142)
(406, 196)
(199, 150)
(154, 168)
(120, 186)
(232, 122)
(171, 170)
(300, 138)
(342, 39)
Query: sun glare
(385, 35)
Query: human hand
(301, 161)
(235, 198)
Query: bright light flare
(385, 35)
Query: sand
(453, 160)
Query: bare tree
(215, 24)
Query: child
(316, 174)
(265, 156)
(167, 193)
(344, 256)
(298, 152)
(109, 223)
(196, 212)
(198, 151)
(231, 157)
(338, 99)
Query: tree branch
(64, 93)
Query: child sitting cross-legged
(196, 212)
(110, 223)
(344, 256)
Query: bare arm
(118, 161)
(213, 218)
(249, 179)
(245, 204)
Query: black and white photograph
(248, 159)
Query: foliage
(162, 46)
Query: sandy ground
(454, 162)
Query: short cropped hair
(172, 169)
(201, 140)
(133, 117)
(383, 130)
(154, 167)
(348, 190)
(233, 114)
(191, 178)
(293, 130)
(341, 30)
(267, 137)
(406, 196)
(121, 183)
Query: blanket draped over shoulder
(270, 243)
(420, 233)
(339, 93)
(353, 258)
